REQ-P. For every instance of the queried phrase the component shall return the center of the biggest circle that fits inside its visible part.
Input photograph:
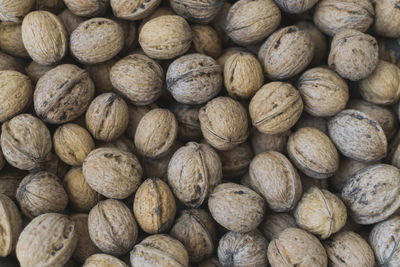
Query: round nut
(85, 246)
(9, 63)
(11, 225)
(197, 11)
(206, 41)
(235, 162)
(103, 260)
(188, 122)
(11, 39)
(307, 120)
(276, 222)
(87, 8)
(388, 48)
(296, 7)
(15, 10)
(133, 10)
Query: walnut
(11, 225)
(262, 142)
(103, 260)
(188, 122)
(53, 6)
(235, 162)
(70, 20)
(9, 63)
(197, 11)
(100, 74)
(206, 41)
(133, 10)
(15, 10)
(11, 39)
(87, 8)
(318, 38)
(276, 222)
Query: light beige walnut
(133, 10)
(276, 222)
(15, 10)
(87, 8)
(103, 260)
(11, 225)
(296, 7)
(85, 246)
(100, 74)
(11, 39)
(206, 40)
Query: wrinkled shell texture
(138, 78)
(387, 18)
(353, 55)
(15, 10)
(272, 169)
(11, 39)
(319, 40)
(286, 53)
(296, 247)
(206, 41)
(44, 37)
(253, 249)
(194, 79)
(324, 93)
(274, 223)
(193, 172)
(11, 225)
(275, 108)
(136, 113)
(307, 120)
(156, 133)
(347, 168)
(54, 6)
(112, 172)
(85, 246)
(358, 136)
(224, 123)
(87, 8)
(103, 260)
(235, 162)
(133, 10)
(63, 94)
(296, 7)
(203, 11)
(48, 240)
(70, 20)
(165, 37)
(96, 40)
(26, 142)
(236, 207)
(244, 29)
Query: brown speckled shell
(63, 94)
(103, 260)
(319, 40)
(15, 10)
(133, 10)
(70, 20)
(188, 122)
(203, 11)
(87, 8)
(11, 225)
(276, 222)
(358, 136)
(236, 207)
(112, 172)
(48, 240)
(206, 41)
(235, 162)
(85, 246)
(11, 39)
(387, 18)
(44, 37)
(9, 63)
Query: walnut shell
(236, 207)
(26, 142)
(219, 24)
(103, 260)
(229, 52)
(194, 79)
(394, 150)
(224, 123)
(275, 108)
(296, 7)
(159, 250)
(286, 53)
(347, 168)
(353, 54)
(318, 38)
(85, 246)
(384, 241)
(165, 37)
(262, 142)
(188, 122)
(35, 71)
(387, 18)
(253, 249)
(112, 172)
(53, 6)
(48, 240)
(136, 113)
(100, 74)
(10, 178)
(112, 227)
(44, 37)
(193, 172)
(197, 231)
(271, 169)
(87, 8)
(81, 196)
(133, 10)
(11, 225)
(357, 136)
(332, 16)
(16, 93)
(244, 29)
(297, 248)
(63, 94)
(15, 10)
(206, 41)
(154, 206)
(235, 162)
(276, 222)
(138, 78)
(11, 39)
(70, 20)
(197, 11)
(107, 117)
(96, 40)
(123, 143)
(348, 249)
(9, 63)
(156, 133)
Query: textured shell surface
(11, 225)
(203, 11)
(133, 10)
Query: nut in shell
(15, 10)
(11, 39)
(103, 260)
(85, 246)
(206, 41)
(197, 11)
(133, 10)
(87, 8)
(235, 162)
(11, 225)
(276, 222)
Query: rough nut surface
(296, 7)
(262, 142)
(206, 41)
(11, 39)
(70, 20)
(347, 168)
(319, 40)
(11, 225)
(203, 11)
(387, 18)
(87, 8)
(103, 260)
(133, 10)
(85, 246)
(188, 122)
(9, 63)
(15, 10)
(100, 74)
(10, 178)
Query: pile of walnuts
(200, 133)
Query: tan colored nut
(11, 225)
(48, 240)
(87, 8)
(11, 39)
(262, 142)
(112, 227)
(347, 168)
(296, 7)
(272, 169)
(35, 71)
(154, 206)
(235, 162)
(85, 246)
(112, 172)
(384, 241)
(44, 37)
(243, 75)
(193, 172)
(353, 55)
(236, 207)
(136, 113)
(107, 117)
(16, 93)
(100, 74)
(275, 108)
(211, 262)
(296, 247)
(286, 53)
(81, 196)
(96, 40)
(15, 10)
(194, 79)
(165, 37)
(138, 78)
(276, 222)
(253, 250)
(160, 11)
(387, 18)
(70, 20)
(53, 6)
(40, 193)
(63, 94)
(229, 52)
(9, 63)
(244, 29)
(358, 136)
(159, 250)
(72, 143)
(130, 34)
(103, 260)
(382, 87)
(224, 123)
(206, 41)
(26, 142)
(318, 38)
(188, 122)
(197, 11)
(156, 133)
(133, 10)
(10, 178)
(219, 24)
(332, 16)
(346, 249)
(197, 231)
